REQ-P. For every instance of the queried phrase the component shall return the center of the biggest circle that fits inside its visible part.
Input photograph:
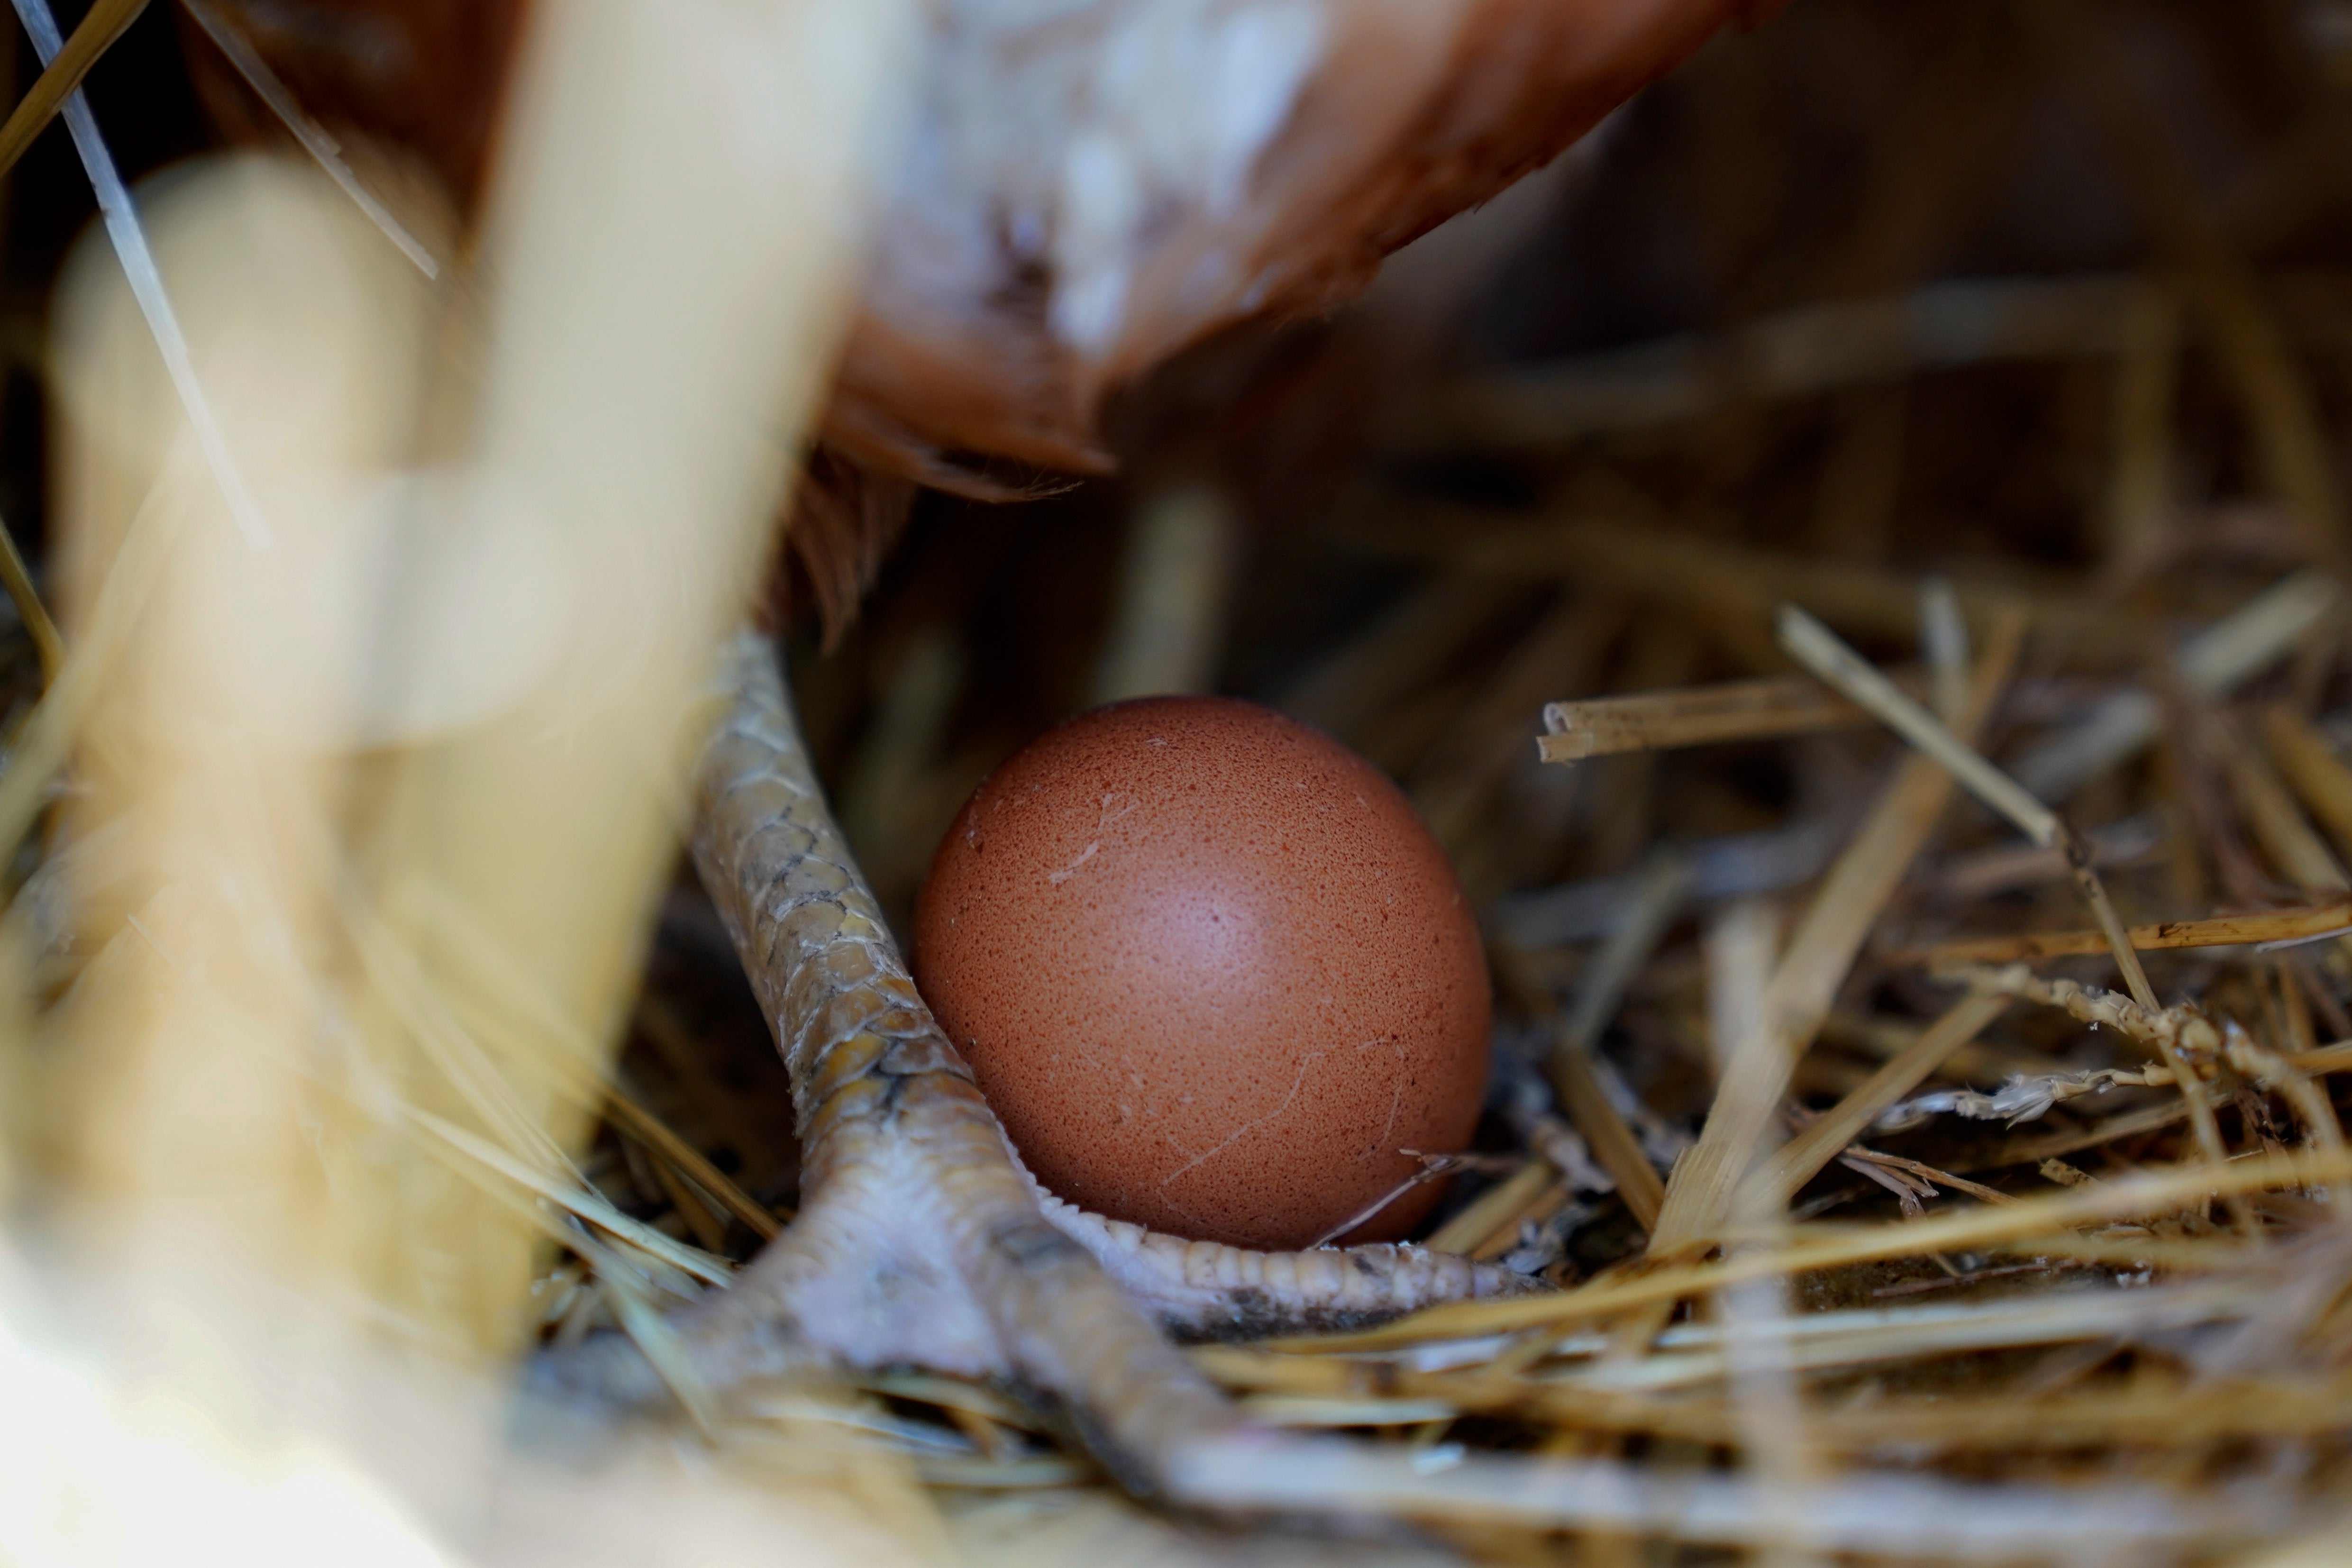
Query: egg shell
(1211, 970)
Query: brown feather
(845, 518)
(1087, 193)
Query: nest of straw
(2075, 483)
(2005, 344)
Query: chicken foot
(922, 1240)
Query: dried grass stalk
(2219, 930)
(1819, 952)
(1770, 709)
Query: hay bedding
(2005, 341)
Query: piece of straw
(1810, 1250)
(106, 633)
(676, 1151)
(2285, 834)
(323, 149)
(1645, 919)
(2214, 662)
(104, 22)
(2305, 924)
(709, 1228)
(578, 1200)
(1820, 650)
(130, 240)
(18, 580)
(1797, 1161)
(2311, 767)
(1500, 1242)
(1492, 1209)
(1820, 952)
(1770, 709)
(1810, 348)
(1733, 589)
(1167, 623)
(2279, 827)
(563, 1060)
(2147, 374)
(1737, 949)
(1944, 643)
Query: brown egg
(1211, 970)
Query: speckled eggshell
(1211, 970)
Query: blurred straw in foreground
(379, 810)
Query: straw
(1819, 951)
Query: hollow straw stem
(2312, 769)
(106, 21)
(1821, 650)
(1769, 707)
(18, 580)
(1943, 639)
(323, 149)
(688, 1163)
(1570, 1067)
(2212, 663)
(128, 239)
(1819, 956)
(2266, 927)
(1795, 1162)
(1492, 1208)
(49, 732)
(1826, 655)
(2286, 837)
(2111, 925)
(1811, 1249)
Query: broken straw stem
(131, 248)
(1433, 1167)
(2263, 929)
(1795, 1162)
(1824, 653)
(2111, 924)
(323, 149)
(18, 580)
(1944, 642)
(99, 29)
(1766, 710)
(1657, 899)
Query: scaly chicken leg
(922, 1239)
